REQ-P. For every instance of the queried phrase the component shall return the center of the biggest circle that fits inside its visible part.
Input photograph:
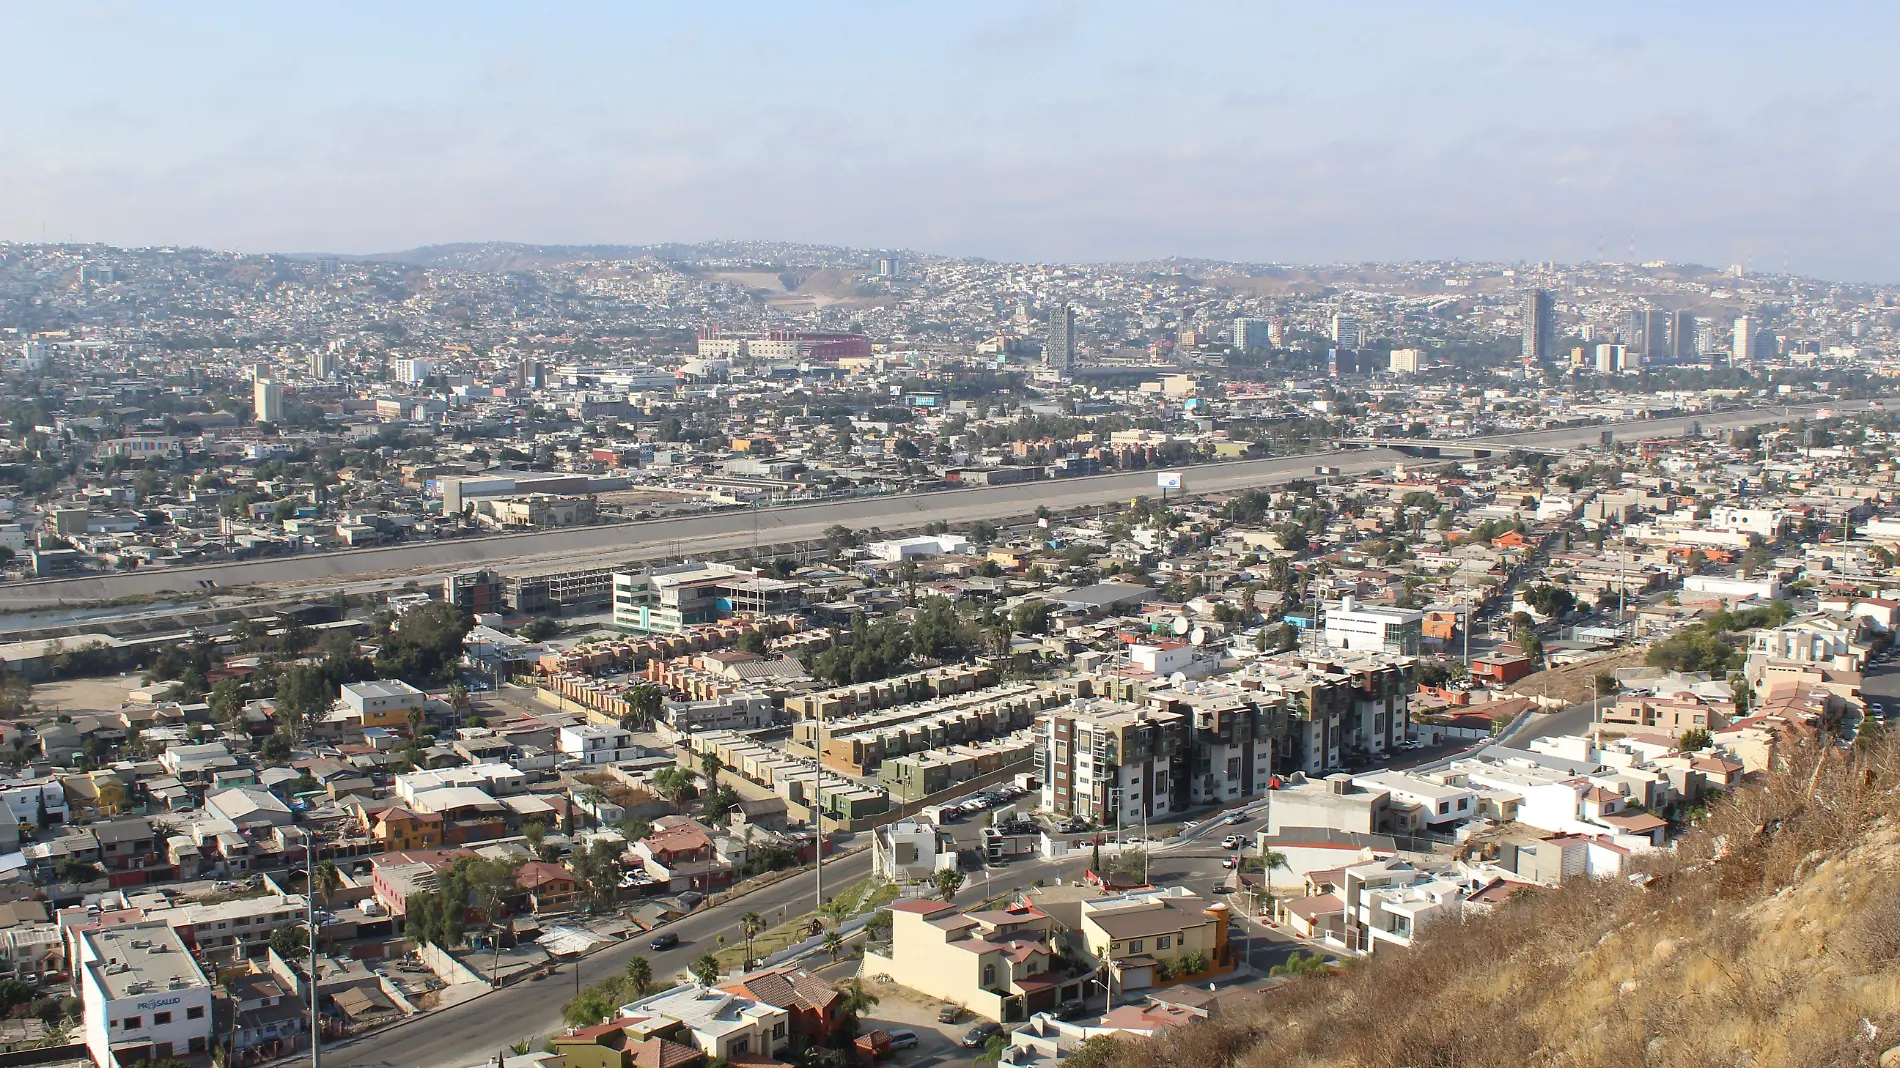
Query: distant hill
(513, 256)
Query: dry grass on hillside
(1770, 938)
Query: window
(196, 1012)
(1444, 807)
(778, 1030)
(1134, 946)
(197, 1044)
(989, 974)
(1163, 942)
(160, 1019)
(739, 1046)
(133, 1023)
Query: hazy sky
(1732, 132)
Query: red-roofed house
(680, 855)
(549, 886)
(612, 1045)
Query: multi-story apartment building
(1335, 706)
(1113, 760)
(1230, 739)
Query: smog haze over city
(1049, 534)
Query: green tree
(640, 976)
(750, 924)
(705, 969)
(947, 882)
(675, 784)
(425, 644)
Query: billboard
(1168, 480)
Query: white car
(1232, 841)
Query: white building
(596, 743)
(1374, 630)
(26, 800)
(1346, 332)
(906, 852)
(1404, 361)
(412, 370)
(267, 401)
(1162, 658)
(144, 996)
(381, 700)
(721, 1024)
(924, 545)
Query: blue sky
(1717, 133)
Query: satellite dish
(1179, 678)
(1180, 626)
(1198, 636)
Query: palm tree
(947, 881)
(709, 767)
(993, 1049)
(640, 976)
(750, 925)
(329, 880)
(705, 969)
(1269, 860)
(675, 784)
(857, 1001)
(834, 944)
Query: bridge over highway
(692, 535)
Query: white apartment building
(596, 743)
(35, 801)
(906, 851)
(1374, 630)
(267, 401)
(145, 998)
(412, 370)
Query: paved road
(663, 538)
(469, 1033)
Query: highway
(677, 537)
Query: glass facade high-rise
(1537, 319)
(1059, 350)
(1682, 336)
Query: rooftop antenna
(1599, 246)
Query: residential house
(997, 964)
(1150, 937)
(616, 1044)
(679, 855)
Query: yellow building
(995, 964)
(1153, 937)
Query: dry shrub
(1775, 961)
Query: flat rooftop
(141, 958)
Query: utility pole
(310, 906)
(818, 814)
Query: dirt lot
(81, 696)
(1572, 683)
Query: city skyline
(1052, 133)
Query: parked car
(1071, 1010)
(950, 1014)
(1230, 862)
(903, 1040)
(664, 940)
(1223, 888)
(1233, 841)
(980, 1034)
(1239, 817)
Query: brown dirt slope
(1769, 938)
(1572, 683)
